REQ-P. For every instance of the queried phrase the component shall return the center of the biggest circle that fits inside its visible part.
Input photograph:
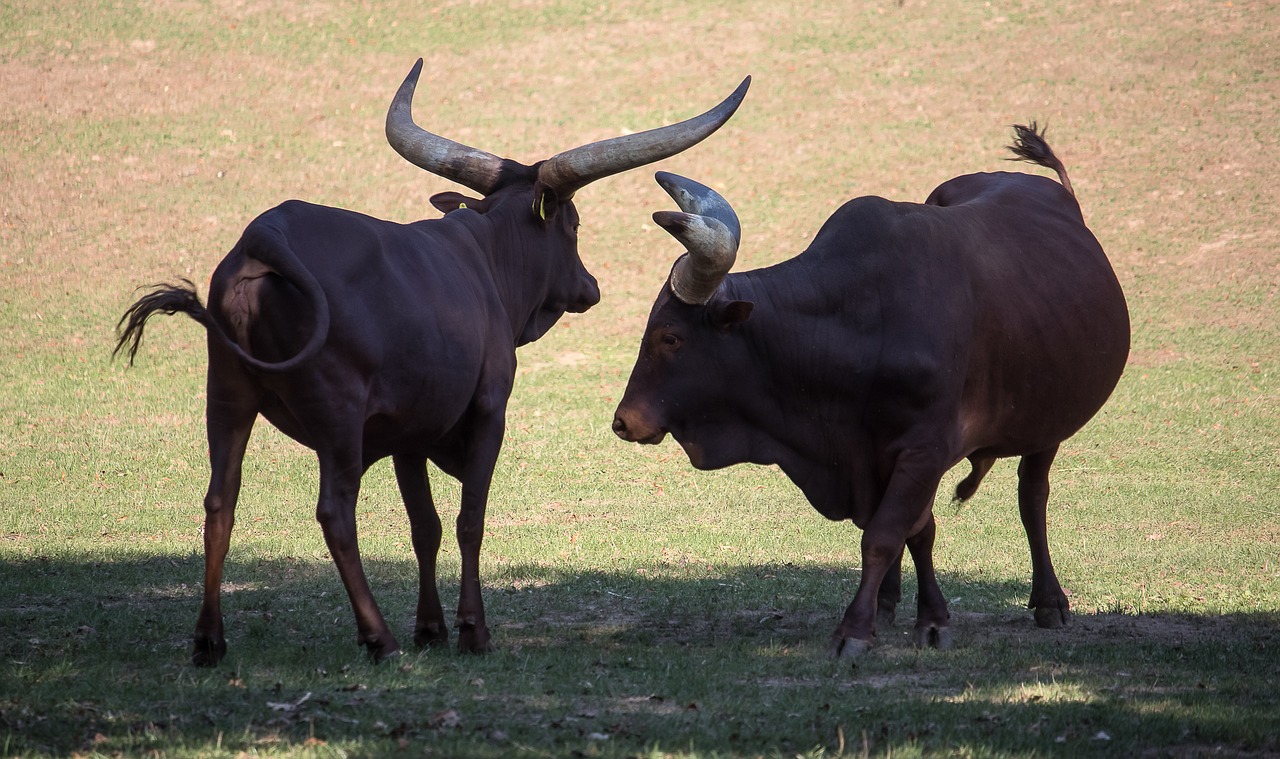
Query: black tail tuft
(165, 299)
(1029, 145)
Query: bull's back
(379, 277)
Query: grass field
(640, 608)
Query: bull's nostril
(619, 426)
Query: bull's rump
(1049, 328)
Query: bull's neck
(798, 341)
(523, 271)
(802, 283)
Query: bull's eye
(671, 340)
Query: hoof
(933, 636)
(432, 638)
(208, 652)
(379, 657)
(474, 640)
(381, 648)
(850, 648)
(1052, 617)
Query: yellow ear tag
(461, 206)
(542, 207)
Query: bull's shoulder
(869, 212)
(296, 216)
(861, 227)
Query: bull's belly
(381, 435)
(1016, 426)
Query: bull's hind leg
(889, 596)
(340, 473)
(430, 628)
(230, 413)
(1047, 598)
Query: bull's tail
(270, 246)
(267, 242)
(171, 299)
(969, 485)
(1029, 145)
(165, 299)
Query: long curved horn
(452, 160)
(709, 230)
(574, 169)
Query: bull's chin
(710, 451)
(653, 439)
(695, 454)
(538, 324)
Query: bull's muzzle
(631, 425)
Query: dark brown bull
(363, 339)
(981, 324)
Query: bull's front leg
(904, 510)
(482, 456)
(429, 627)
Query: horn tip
(671, 220)
(403, 99)
(668, 181)
(414, 73)
(688, 193)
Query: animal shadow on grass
(96, 656)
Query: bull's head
(537, 200)
(690, 355)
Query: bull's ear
(452, 201)
(546, 201)
(731, 314)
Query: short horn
(709, 230)
(574, 169)
(454, 161)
